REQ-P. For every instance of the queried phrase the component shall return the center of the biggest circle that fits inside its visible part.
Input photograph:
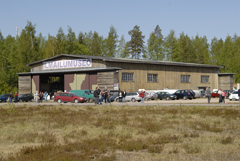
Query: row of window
(154, 78)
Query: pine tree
(155, 45)
(96, 45)
(110, 43)
(171, 47)
(135, 45)
(61, 42)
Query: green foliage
(155, 45)
(135, 45)
(16, 52)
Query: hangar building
(75, 72)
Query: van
(87, 93)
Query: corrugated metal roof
(126, 60)
(70, 70)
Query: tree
(186, 49)
(216, 50)
(96, 45)
(171, 47)
(28, 47)
(110, 43)
(61, 42)
(155, 45)
(122, 48)
(135, 45)
(51, 47)
(201, 51)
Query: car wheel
(59, 101)
(76, 101)
(230, 99)
(20, 100)
(167, 98)
(184, 97)
(133, 100)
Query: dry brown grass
(119, 133)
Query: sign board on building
(61, 64)
(116, 86)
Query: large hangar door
(80, 81)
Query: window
(204, 79)
(127, 76)
(152, 77)
(185, 78)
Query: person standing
(142, 96)
(120, 96)
(105, 95)
(96, 95)
(223, 97)
(124, 95)
(208, 92)
(239, 96)
(220, 95)
(10, 97)
(16, 97)
(36, 97)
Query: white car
(234, 96)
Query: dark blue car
(4, 97)
(184, 94)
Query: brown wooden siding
(24, 84)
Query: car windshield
(235, 92)
(167, 93)
(21, 95)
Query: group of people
(38, 97)
(101, 95)
(222, 96)
(15, 97)
(104, 95)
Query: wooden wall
(24, 84)
(168, 76)
(225, 82)
(106, 79)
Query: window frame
(127, 77)
(153, 79)
(203, 77)
(185, 78)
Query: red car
(68, 97)
(215, 94)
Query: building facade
(74, 72)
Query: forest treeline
(28, 47)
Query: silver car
(131, 96)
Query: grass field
(105, 133)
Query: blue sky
(209, 18)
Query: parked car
(131, 96)
(87, 93)
(166, 95)
(152, 95)
(234, 96)
(25, 97)
(184, 94)
(115, 93)
(215, 94)
(69, 97)
(4, 97)
(228, 92)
